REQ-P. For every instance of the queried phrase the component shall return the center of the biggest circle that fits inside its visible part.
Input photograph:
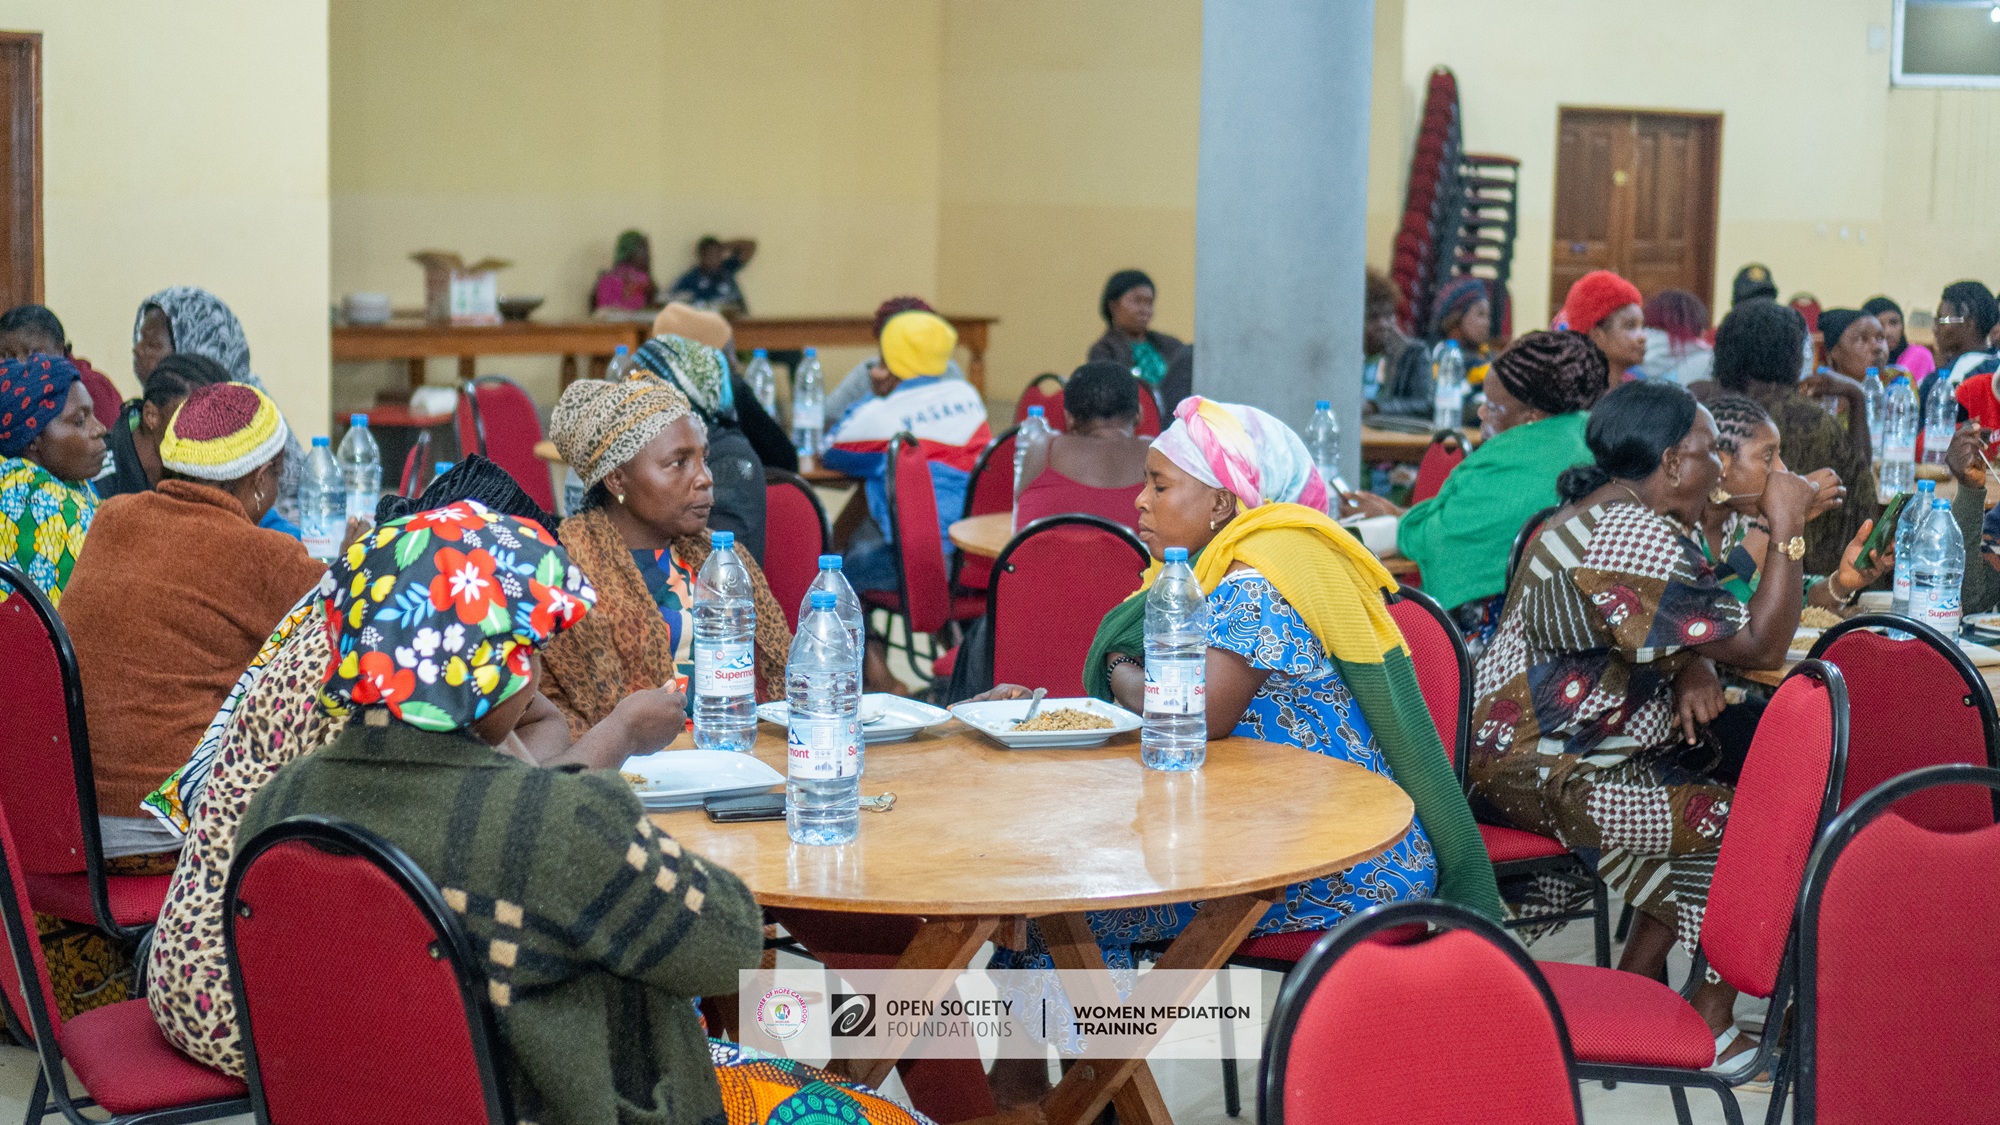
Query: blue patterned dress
(1303, 703)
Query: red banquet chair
(46, 782)
(1627, 1028)
(1891, 680)
(802, 534)
(1446, 450)
(374, 1012)
(1899, 1009)
(1052, 584)
(414, 463)
(923, 597)
(1342, 1044)
(1149, 412)
(990, 491)
(124, 1065)
(1046, 392)
(497, 420)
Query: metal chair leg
(1681, 1113)
(1600, 921)
(1625, 922)
(1232, 1098)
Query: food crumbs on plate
(1064, 718)
(633, 778)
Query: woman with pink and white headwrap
(1242, 449)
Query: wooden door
(1636, 193)
(20, 168)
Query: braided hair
(474, 478)
(1737, 420)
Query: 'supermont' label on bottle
(1177, 687)
(726, 669)
(822, 749)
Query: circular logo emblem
(781, 1013)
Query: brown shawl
(622, 645)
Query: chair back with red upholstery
(374, 1011)
(1443, 454)
(1916, 702)
(1899, 996)
(1529, 531)
(414, 464)
(1789, 789)
(46, 782)
(797, 534)
(1339, 1046)
(1443, 666)
(1149, 412)
(496, 418)
(1046, 392)
(920, 570)
(990, 490)
(1052, 585)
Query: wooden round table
(985, 536)
(982, 838)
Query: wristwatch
(1794, 548)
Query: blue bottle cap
(322, 440)
(829, 562)
(1926, 486)
(1452, 344)
(1940, 504)
(441, 468)
(357, 420)
(1322, 404)
(823, 599)
(760, 353)
(721, 539)
(1875, 371)
(1037, 412)
(812, 351)
(1176, 554)
(621, 349)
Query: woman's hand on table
(1966, 456)
(1002, 691)
(1366, 504)
(1697, 697)
(1832, 494)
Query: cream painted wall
(1069, 137)
(502, 127)
(185, 143)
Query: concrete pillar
(1281, 207)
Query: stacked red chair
(1459, 214)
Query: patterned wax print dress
(1303, 703)
(42, 524)
(1574, 732)
(671, 582)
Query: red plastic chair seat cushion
(964, 607)
(135, 899)
(1617, 1017)
(1506, 845)
(946, 662)
(120, 1056)
(1290, 947)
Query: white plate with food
(884, 717)
(673, 779)
(1988, 623)
(1060, 724)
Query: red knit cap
(1595, 296)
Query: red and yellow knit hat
(223, 432)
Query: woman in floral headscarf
(599, 928)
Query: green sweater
(1461, 536)
(597, 929)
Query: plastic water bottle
(762, 381)
(1937, 572)
(1874, 393)
(1175, 735)
(808, 406)
(725, 650)
(1899, 437)
(322, 502)
(360, 469)
(823, 730)
(833, 580)
(1940, 423)
(1323, 442)
(1914, 514)
(620, 365)
(1448, 411)
(1034, 432)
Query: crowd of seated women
(463, 675)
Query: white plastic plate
(995, 719)
(680, 778)
(884, 717)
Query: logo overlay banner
(812, 1013)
